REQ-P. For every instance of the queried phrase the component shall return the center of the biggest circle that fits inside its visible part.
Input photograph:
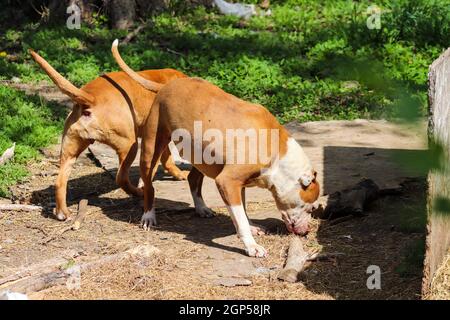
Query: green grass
(31, 124)
(295, 62)
(309, 60)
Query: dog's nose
(301, 230)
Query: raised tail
(147, 84)
(78, 95)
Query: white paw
(205, 212)
(255, 250)
(60, 216)
(258, 230)
(148, 219)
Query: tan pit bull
(110, 109)
(180, 107)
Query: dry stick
(324, 256)
(134, 33)
(19, 207)
(296, 259)
(82, 210)
(43, 281)
(341, 219)
(7, 155)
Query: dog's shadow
(172, 216)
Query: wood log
(351, 201)
(39, 281)
(295, 262)
(297, 257)
(7, 155)
(19, 207)
(36, 269)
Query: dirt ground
(198, 256)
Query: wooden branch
(134, 33)
(295, 262)
(82, 210)
(37, 268)
(351, 201)
(7, 155)
(297, 257)
(55, 235)
(40, 281)
(19, 207)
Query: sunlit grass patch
(29, 122)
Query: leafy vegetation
(295, 62)
(31, 124)
(309, 60)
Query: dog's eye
(86, 113)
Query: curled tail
(147, 84)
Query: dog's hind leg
(126, 158)
(195, 179)
(71, 148)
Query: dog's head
(297, 215)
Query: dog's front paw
(148, 219)
(205, 212)
(255, 250)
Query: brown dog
(112, 110)
(183, 106)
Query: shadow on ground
(390, 235)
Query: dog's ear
(305, 180)
(78, 95)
